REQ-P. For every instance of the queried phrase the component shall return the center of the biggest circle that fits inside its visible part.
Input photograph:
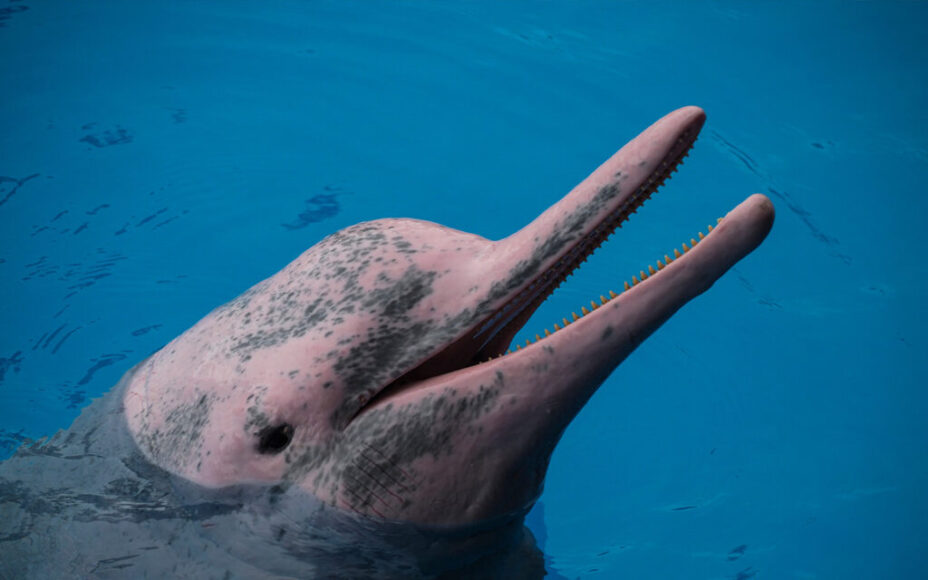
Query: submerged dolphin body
(342, 419)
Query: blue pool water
(158, 158)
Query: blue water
(158, 158)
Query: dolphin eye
(274, 439)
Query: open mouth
(489, 342)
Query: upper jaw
(541, 255)
(528, 265)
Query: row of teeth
(608, 227)
(603, 300)
(559, 272)
(645, 191)
(599, 236)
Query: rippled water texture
(158, 158)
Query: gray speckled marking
(607, 332)
(179, 442)
(255, 417)
(340, 292)
(293, 310)
(381, 478)
(564, 233)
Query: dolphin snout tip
(754, 217)
(692, 113)
(763, 209)
(693, 110)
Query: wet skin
(343, 415)
(353, 373)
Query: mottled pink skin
(312, 344)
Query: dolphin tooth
(676, 252)
(660, 265)
(584, 310)
(627, 285)
(651, 270)
(612, 294)
(702, 236)
(634, 280)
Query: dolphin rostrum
(366, 385)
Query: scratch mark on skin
(405, 475)
(374, 479)
(401, 435)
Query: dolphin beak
(529, 265)
(501, 418)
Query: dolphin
(359, 413)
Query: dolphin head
(371, 372)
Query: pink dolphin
(356, 415)
(360, 374)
